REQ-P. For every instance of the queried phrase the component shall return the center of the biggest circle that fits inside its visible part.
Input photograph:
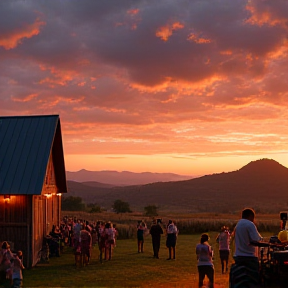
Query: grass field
(128, 268)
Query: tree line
(72, 203)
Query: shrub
(120, 206)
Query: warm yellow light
(59, 194)
(6, 198)
(48, 195)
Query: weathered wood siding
(38, 227)
(15, 223)
(45, 212)
(50, 189)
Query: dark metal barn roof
(26, 143)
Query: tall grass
(187, 224)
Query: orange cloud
(199, 40)
(50, 103)
(166, 31)
(133, 11)
(60, 77)
(261, 18)
(25, 99)
(226, 52)
(131, 21)
(26, 31)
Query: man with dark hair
(156, 231)
(246, 238)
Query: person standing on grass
(155, 232)
(205, 265)
(17, 267)
(110, 241)
(172, 233)
(85, 243)
(223, 239)
(76, 233)
(246, 234)
(141, 227)
(101, 241)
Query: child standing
(16, 267)
(204, 254)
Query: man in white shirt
(246, 234)
(172, 233)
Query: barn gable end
(32, 177)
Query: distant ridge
(123, 178)
(261, 184)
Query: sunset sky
(188, 87)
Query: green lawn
(128, 268)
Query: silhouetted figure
(156, 231)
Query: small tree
(120, 206)
(93, 208)
(151, 210)
(72, 203)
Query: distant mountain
(123, 178)
(261, 184)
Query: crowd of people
(246, 237)
(82, 235)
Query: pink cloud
(166, 31)
(25, 99)
(14, 38)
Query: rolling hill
(123, 178)
(261, 184)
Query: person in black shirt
(156, 231)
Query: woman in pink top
(223, 239)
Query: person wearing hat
(204, 253)
(223, 239)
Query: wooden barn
(32, 179)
